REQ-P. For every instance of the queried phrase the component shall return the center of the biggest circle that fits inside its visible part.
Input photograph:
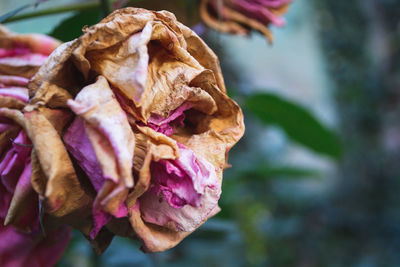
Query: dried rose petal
(152, 127)
(241, 16)
(22, 242)
(19, 56)
(167, 125)
(183, 192)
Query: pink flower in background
(241, 16)
(21, 241)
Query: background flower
(22, 240)
(241, 16)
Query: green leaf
(286, 172)
(298, 123)
(71, 27)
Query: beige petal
(154, 238)
(108, 130)
(112, 140)
(64, 193)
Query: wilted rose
(152, 128)
(22, 241)
(241, 16)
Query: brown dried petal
(230, 20)
(64, 193)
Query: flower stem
(55, 10)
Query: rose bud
(241, 16)
(152, 128)
(23, 242)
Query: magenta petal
(30, 219)
(166, 125)
(5, 200)
(122, 211)
(182, 181)
(24, 249)
(22, 146)
(14, 161)
(258, 11)
(4, 127)
(49, 251)
(11, 172)
(100, 218)
(184, 192)
(78, 144)
(14, 246)
(173, 184)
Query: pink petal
(5, 200)
(14, 52)
(258, 11)
(24, 249)
(14, 161)
(24, 60)
(20, 93)
(108, 123)
(166, 125)
(78, 144)
(100, 218)
(4, 127)
(30, 219)
(185, 219)
(43, 44)
(183, 193)
(12, 80)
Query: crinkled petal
(184, 191)
(64, 193)
(97, 105)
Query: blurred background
(315, 181)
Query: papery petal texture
(183, 192)
(151, 130)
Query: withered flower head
(241, 16)
(151, 131)
(21, 239)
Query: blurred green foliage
(298, 123)
(14, 12)
(71, 27)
